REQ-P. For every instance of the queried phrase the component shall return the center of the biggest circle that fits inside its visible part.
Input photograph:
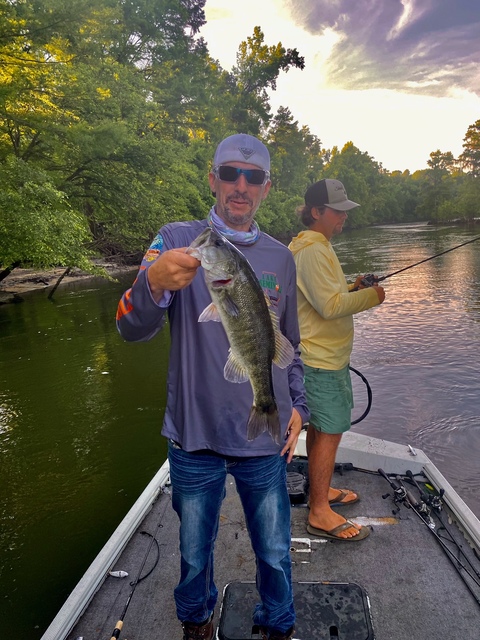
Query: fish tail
(264, 418)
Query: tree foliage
(470, 158)
(257, 70)
(110, 111)
(37, 225)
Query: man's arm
(171, 271)
(142, 309)
(322, 282)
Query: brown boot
(277, 635)
(198, 631)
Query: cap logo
(246, 152)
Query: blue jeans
(198, 489)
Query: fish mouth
(221, 283)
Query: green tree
(257, 69)
(77, 102)
(465, 205)
(295, 151)
(436, 186)
(470, 158)
(404, 191)
(361, 177)
(37, 226)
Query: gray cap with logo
(329, 193)
(242, 147)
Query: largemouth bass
(251, 325)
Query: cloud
(428, 47)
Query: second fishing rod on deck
(465, 563)
(370, 280)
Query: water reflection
(75, 452)
(420, 349)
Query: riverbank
(22, 281)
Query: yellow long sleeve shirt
(325, 303)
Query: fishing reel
(402, 495)
(435, 501)
(423, 509)
(399, 493)
(369, 280)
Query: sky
(398, 78)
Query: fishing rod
(118, 627)
(435, 501)
(403, 496)
(370, 279)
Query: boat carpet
(414, 591)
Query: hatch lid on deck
(324, 610)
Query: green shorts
(329, 398)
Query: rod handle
(116, 631)
(384, 475)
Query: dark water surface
(80, 410)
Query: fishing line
(370, 279)
(118, 627)
(427, 259)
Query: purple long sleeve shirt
(205, 411)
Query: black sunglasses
(225, 173)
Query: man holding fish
(236, 399)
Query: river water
(80, 409)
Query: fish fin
(234, 371)
(230, 306)
(262, 419)
(210, 313)
(284, 351)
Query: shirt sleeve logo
(151, 255)
(155, 249)
(157, 242)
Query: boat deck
(415, 592)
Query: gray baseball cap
(329, 193)
(242, 147)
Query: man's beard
(236, 219)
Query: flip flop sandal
(339, 501)
(333, 533)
